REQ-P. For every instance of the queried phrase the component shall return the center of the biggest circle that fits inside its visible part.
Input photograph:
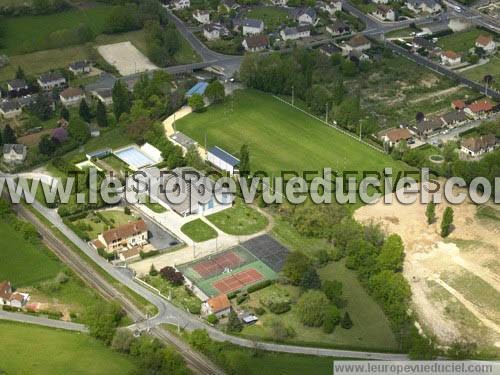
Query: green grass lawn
(198, 231)
(240, 219)
(28, 33)
(22, 262)
(114, 163)
(279, 136)
(478, 73)
(116, 217)
(271, 16)
(461, 41)
(28, 349)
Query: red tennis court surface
(217, 264)
(238, 280)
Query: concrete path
(41, 321)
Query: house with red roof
(479, 108)
(10, 298)
(450, 58)
(219, 306)
(487, 43)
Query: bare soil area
(455, 281)
(126, 58)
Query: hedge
(149, 254)
(259, 285)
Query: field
(198, 231)
(478, 73)
(461, 41)
(272, 17)
(239, 220)
(279, 136)
(37, 350)
(29, 33)
(228, 271)
(22, 262)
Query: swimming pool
(134, 157)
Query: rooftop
(219, 303)
(124, 231)
(224, 155)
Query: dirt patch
(126, 58)
(33, 139)
(431, 262)
(441, 93)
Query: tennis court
(238, 280)
(134, 157)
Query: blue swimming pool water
(134, 157)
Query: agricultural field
(461, 41)
(198, 231)
(49, 351)
(478, 73)
(279, 137)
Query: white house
(476, 146)
(104, 95)
(380, 1)
(293, 33)
(423, 6)
(384, 13)
(279, 3)
(181, 4)
(358, 43)
(252, 27)
(80, 67)
(487, 43)
(214, 31)
(331, 7)
(306, 16)
(17, 86)
(51, 80)
(14, 153)
(71, 96)
(10, 108)
(450, 58)
(202, 16)
(255, 43)
(223, 160)
(10, 298)
(219, 306)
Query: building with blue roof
(222, 160)
(199, 88)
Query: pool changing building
(223, 160)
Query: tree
(153, 271)
(122, 340)
(488, 79)
(333, 290)
(84, 111)
(392, 254)
(430, 212)
(8, 135)
(65, 113)
(171, 275)
(101, 116)
(234, 324)
(121, 100)
(339, 91)
(41, 107)
(78, 131)
(194, 159)
(419, 117)
(447, 222)
(311, 308)
(279, 331)
(310, 279)
(332, 318)
(346, 321)
(46, 145)
(215, 92)
(102, 319)
(196, 102)
(20, 73)
(244, 166)
(295, 266)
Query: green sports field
(279, 136)
(28, 349)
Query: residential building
(223, 160)
(133, 253)
(458, 104)
(450, 58)
(214, 31)
(380, 1)
(252, 27)
(329, 49)
(80, 67)
(10, 298)
(487, 43)
(255, 43)
(394, 136)
(384, 13)
(183, 141)
(14, 153)
(219, 306)
(10, 108)
(181, 4)
(338, 27)
(51, 80)
(71, 96)
(17, 86)
(293, 33)
(479, 108)
(428, 126)
(306, 16)
(331, 7)
(229, 5)
(279, 3)
(454, 118)
(202, 16)
(357, 43)
(423, 6)
(126, 236)
(104, 95)
(477, 146)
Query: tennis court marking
(217, 264)
(237, 280)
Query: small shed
(222, 160)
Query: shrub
(127, 211)
(346, 321)
(259, 285)
(260, 311)
(241, 298)
(279, 307)
(212, 319)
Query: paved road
(41, 321)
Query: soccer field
(279, 136)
